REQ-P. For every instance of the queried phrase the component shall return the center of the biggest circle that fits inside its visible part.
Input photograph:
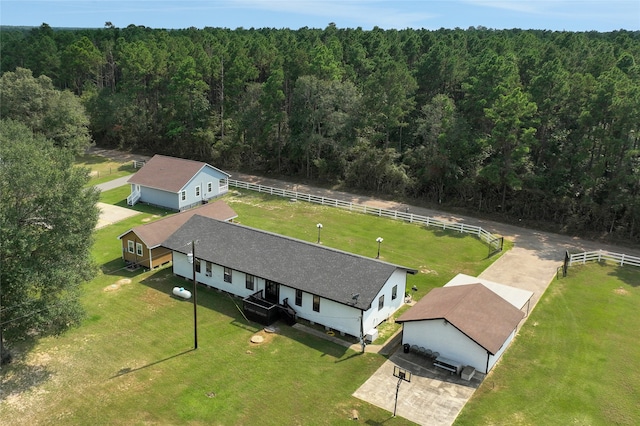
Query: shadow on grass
(20, 378)
(231, 306)
(117, 267)
(437, 232)
(145, 208)
(16, 376)
(376, 423)
(627, 274)
(127, 370)
(353, 355)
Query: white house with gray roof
(348, 293)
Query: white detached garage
(467, 323)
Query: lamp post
(379, 240)
(192, 259)
(319, 226)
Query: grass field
(131, 361)
(575, 361)
(103, 169)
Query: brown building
(142, 245)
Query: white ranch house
(176, 183)
(344, 292)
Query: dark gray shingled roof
(326, 272)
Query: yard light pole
(379, 240)
(319, 226)
(192, 259)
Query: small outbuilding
(469, 324)
(141, 246)
(176, 183)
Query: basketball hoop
(403, 375)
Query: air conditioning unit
(371, 335)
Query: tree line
(535, 125)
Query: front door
(272, 291)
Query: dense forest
(533, 125)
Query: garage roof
(476, 311)
(516, 296)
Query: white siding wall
(373, 316)
(201, 179)
(336, 316)
(159, 198)
(447, 340)
(494, 358)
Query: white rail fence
(479, 232)
(603, 255)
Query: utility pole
(195, 296)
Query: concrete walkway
(110, 214)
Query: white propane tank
(181, 292)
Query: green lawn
(438, 255)
(575, 361)
(104, 169)
(131, 361)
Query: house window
(227, 274)
(209, 187)
(130, 246)
(394, 292)
(208, 269)
(197, 265)
(250, 281)
(299, 297)
(316, 303)
(183, 195)
(198, 191)
(381, 302)
(139, 249)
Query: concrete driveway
(110, 214)
(433, 397)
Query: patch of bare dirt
(621, 291)
(262, 337)
(117, 285)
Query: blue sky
(560, 15)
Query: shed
(141, 245)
